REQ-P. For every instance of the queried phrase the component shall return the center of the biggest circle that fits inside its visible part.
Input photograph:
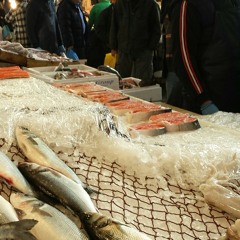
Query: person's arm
(64, 20)
(114, 30)
(91, 18)
(155, 27)
(186, 34)
(32, 15)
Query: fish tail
(18, 230)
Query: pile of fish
(45, 177)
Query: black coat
(135, 26)
(71, 27)
(206, 37)
(42, 25)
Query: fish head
(100, 227)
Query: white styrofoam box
(82, 67)
(150, 93)
(105, 79)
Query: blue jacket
(42, 25)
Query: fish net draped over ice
(149, 183)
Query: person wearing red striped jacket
(206, 47)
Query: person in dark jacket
(206, 51)
(73, 26)
(42, 26)
(173, 84)
(102, 29)
(135, 34)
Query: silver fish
(38, 152)
(52, 223)
(100, 227)
(55, 184)
(7, 212)
(18, 230)
(12, 176)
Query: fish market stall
(168, 186)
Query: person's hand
(209, 108)
(71, 54)
(61, 49)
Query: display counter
(155, 185)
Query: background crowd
(194, 43)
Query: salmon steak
(176, 121)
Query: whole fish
(57, 185)
(7, 212)
(52, 223)
(18, 230)
(100, 227)
(12, 176)
(38, 152)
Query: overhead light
(13, 4)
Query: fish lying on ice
(19, 230)
(100, 227)
(38, 152)
(52, 223)
(57, 185)
(7, 212)
(12, 176)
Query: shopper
(135, 33)
(102, 29)
(73, 26)
(95, 11)
(94, 46)
(17, 17)
(42, 26)
(206, 49)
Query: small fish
(57, 185)
(7, 212)
(18, 230)
(100, 227)
(52, 223)
(38, 152)
(12, 176)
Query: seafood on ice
(100, 227)
(19, 230)
(7, 212)
(70, 194)
(52, 223)
(38, 152)
(12, 176)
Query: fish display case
(175, 185)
